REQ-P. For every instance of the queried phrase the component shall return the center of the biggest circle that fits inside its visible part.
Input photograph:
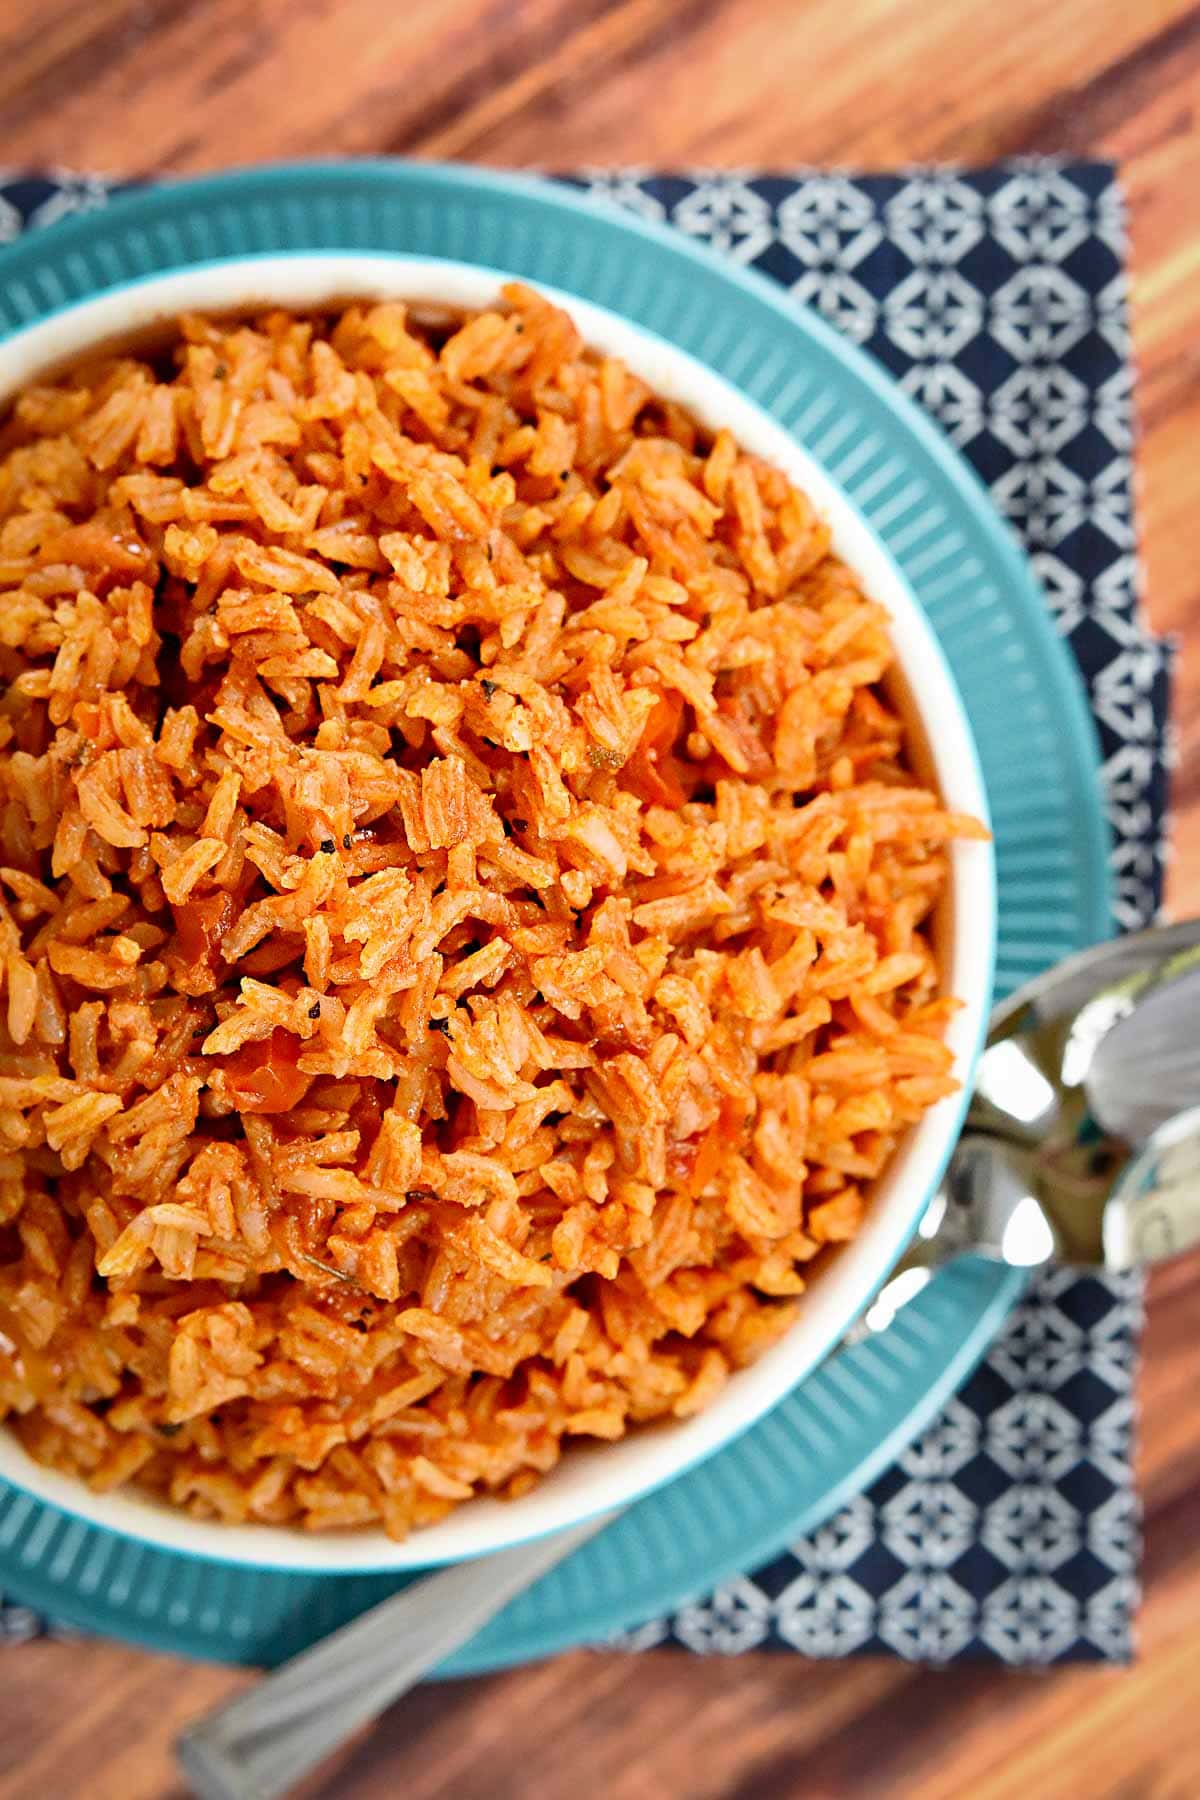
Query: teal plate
(847, 1422)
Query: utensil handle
(262, 1743)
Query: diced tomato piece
(698, 1161)
(653, 772)
(710, 1154)
(201, 924)
(662, 724)
(263, 1077)
(654, 781)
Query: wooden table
(178, 85)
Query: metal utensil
(263, 1743)
(1082, 1140)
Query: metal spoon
(1082, 1140)
(1072, 1149)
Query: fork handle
(264, 1742)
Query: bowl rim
(308, 278)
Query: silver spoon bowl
(1082, 1140)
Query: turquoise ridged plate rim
(848, 1421)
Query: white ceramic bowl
(593, 1479)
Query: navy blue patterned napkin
(997, 298)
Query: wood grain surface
(136, 86)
